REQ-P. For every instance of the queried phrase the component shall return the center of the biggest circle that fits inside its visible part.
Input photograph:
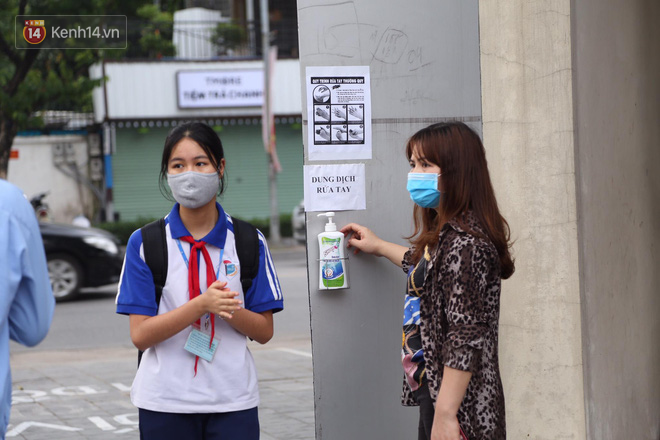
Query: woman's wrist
(378, 247)
(445, 411)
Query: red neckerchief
(194, 288)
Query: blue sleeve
(265, 292)
(137, 292)
(31, 311)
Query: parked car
(79, 257)
(298, 222)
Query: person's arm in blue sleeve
(136, 293)
(31, 312)
(265, 292)
(26, 298)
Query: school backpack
(155, 254)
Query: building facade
(142, 100)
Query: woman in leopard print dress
(458, 256)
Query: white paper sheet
(339, 112)
(335, 187)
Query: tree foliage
(156, 33)
(56, 79)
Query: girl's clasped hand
(220, 300)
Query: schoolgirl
(197, 378)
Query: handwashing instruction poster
(338, 112)
(334, 187)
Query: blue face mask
(423, 189)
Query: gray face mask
(192, 189)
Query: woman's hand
(221, 301)
(452, 389)
(445, 427)
(362, 239)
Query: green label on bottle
(334, 282)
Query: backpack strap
(247, 248)
(155, 255)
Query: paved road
(76, 383)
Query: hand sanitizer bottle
(332, 264)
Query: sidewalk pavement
(85, 394)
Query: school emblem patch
(231, 269)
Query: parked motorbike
(41, 208)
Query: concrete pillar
(616, 44)
(527, 108)
(424, 67)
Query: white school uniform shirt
(165, 380)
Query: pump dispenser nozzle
(330, 226)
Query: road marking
(76, 391)
(101, 424)
(121, 387)
(33, 396)
(25, 425)
(125, 419)
(296, 352)
(28, 396)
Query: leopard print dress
(459, 313)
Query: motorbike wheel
(65, 276)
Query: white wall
(34, 172)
